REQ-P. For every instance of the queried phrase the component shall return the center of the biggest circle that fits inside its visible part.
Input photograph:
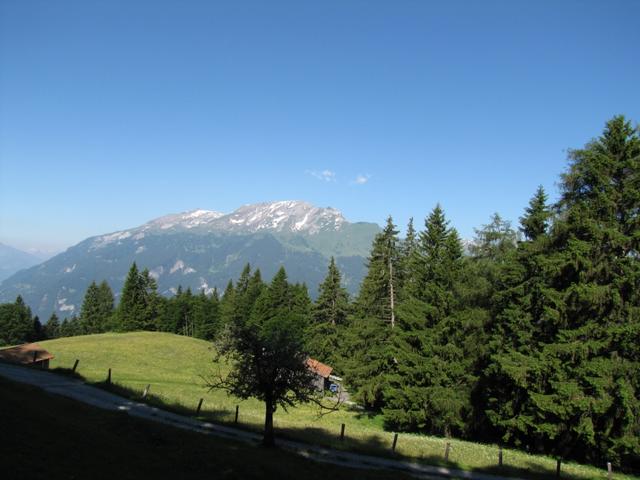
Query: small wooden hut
(30, 354)
(322, 373)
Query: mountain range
(203, 250)
(13, 260)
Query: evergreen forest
(527, 336)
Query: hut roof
(319, 368)
(25, 354)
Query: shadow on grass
(68, 372)
(379, 445)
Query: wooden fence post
(342, 432)
(558, 465)
(500, 456)
(609, 471)
(446, 451)
(109, 377)
(199, 406)
(75, 365)
(146, 390)
(395, 441)
(237, 410)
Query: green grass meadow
(175, 367)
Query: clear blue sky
(116, 112)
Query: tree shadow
(378, 445)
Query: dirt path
(77, 390)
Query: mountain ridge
(202, 249)
(13, 260)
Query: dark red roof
(319, 368)
(25, 354)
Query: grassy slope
(50, 437)
(174, 366)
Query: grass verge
(176, 368)
(47, 436)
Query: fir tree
(378, 293)
(16, 323)
(140, 305)
(407, 250)
(97, 308)
(368, 347)
(535, 221)
(228, 304)
(52, 328)
(494, 240)
(566, 392)
(430, 387)
(207, 315)
(329, 317)
(332, 305)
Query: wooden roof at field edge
(319, 368)
(25, 354)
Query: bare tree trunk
(333, 311)
(268, 439)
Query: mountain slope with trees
(532, 339)
(201, 250)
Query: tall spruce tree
(52, 327)
(228, 304)
(207, 315)
(379, 289)
(577, 384)
(535, 221)
(16, 323)
(407, 250)
(332, 305)
(329, 317)
(97, 308)
(368, 350)
(140, 304)
(430, 388)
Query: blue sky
(116, 112)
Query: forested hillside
(532, 339)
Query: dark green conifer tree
(329, 317)
(228, 304)
(576, 386)
(16, 323)
(207, 315)
(535, 221)
(97, 308)
(368, 351)
(407, 250)
(140, 305)
(430, 388)
(52, 328)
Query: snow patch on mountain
(283, 216)
(292, 216)
(179, 265)
(63, 307)
(104, 240)
(184, 220)
(205, 286)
